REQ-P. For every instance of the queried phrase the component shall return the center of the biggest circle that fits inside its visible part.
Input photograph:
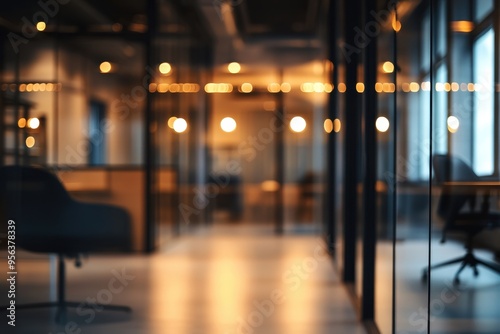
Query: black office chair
(457, 207)
(48, 220)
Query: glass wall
(461, 207)
(179, 70)
(77, 110)
(436, 258)
(89, 97)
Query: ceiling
(263, 35)
(276, 18)
(266, 32)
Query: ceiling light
(234, 67)
(171, 121)
(453, 124)
(328, 125)
(461, 26)
(298, 124)
(382, 124)
(274, 87)
(246, 87)
(388, 67)
(165, 68)
(286, 87)
(40, 26)
(360, 87)
(21, 123)
(105, 67)
(30, 141)
(337, 125)
(33, 123)
(180, 125)
(228, 124)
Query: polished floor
(224, 280)
(471, 307)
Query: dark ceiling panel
(270, 18)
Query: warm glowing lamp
(40, 26)
(462, 26)
(105, 67)
(180, 125)
(234, 67)
(382, 124)
(246, 87)
(328, 125)
(21, 123)
(298, 124)
(228, 124)
(33, 123)
(171, 121)
(388, 67)
(453, 124)
(30, 141)
(165, 68)
(337, 125)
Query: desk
(471, 187)
(90, 181)
(473, 184)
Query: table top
(473, 184)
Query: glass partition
(439, 164)
(386, 178)
(77, 108)
(460, 237)
(85, 98)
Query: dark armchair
(457, 208)
(48, 220)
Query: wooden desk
(471, 187)
(86, 181)
(473, 184)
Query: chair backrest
(32, 193)
(450, 168)
(48, 220)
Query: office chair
(48, 220)
(457, 207)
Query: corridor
(221, 279)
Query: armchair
(48, 220)
(457, 208)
